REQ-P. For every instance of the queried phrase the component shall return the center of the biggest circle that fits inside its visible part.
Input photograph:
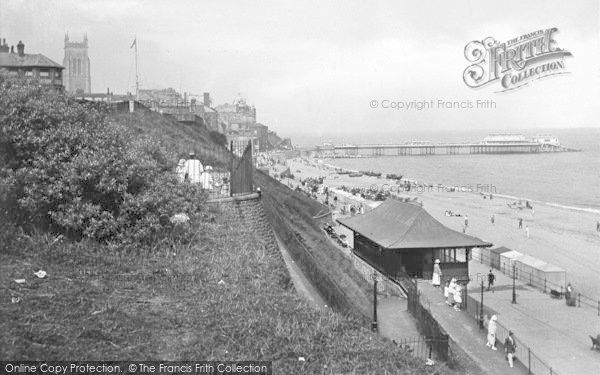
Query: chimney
(207, 99)
(21, 48)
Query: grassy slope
(168, 304)
(179, 137)
(297, 210)
(95, 305)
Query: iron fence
(426, 323)
(231, 169)
(421, 346)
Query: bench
(595, 342)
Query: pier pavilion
(402, 239)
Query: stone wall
(248, 211)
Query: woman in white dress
(457, 297)
(491, 337)
(437, 274)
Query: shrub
(218, 138)
(64, 168)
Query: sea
(569, 180)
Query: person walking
(527, 231)
(466, 221)
(436, 279)
(520, 223)
(491, 337)
(493, 219)
(457, 297)
(491, 278)
(510, 347)
(598, 226)
(451, 289)
(447, 292)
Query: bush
(64, 168)
(218, 138)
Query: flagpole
(137, 79)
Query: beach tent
(552, 276)
(507, 259)
(526, 267)
(494, 256)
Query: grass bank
(222, 298)
(291, 215)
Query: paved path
(301, 282)
(394, 320)
(557, 333)
(465, 331)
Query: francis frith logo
(514, 63)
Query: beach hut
(507, 260)
(494, 256)
(526, 267)
(553, 276)
(401, 239)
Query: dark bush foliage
(218, 138)
(64, 168)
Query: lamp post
(374, 324)
(514, 299)
(481, 307)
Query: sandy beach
(560, 236)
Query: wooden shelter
(401, 239)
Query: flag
(134, 42)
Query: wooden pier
(420, 149)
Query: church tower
(77, 77)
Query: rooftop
(27, 60)
(402, 225)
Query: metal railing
(421, 346)
(232, 169)
(426, 323)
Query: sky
(313, 68)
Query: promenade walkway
(556, 333)
(302, 284)
(465, 332)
